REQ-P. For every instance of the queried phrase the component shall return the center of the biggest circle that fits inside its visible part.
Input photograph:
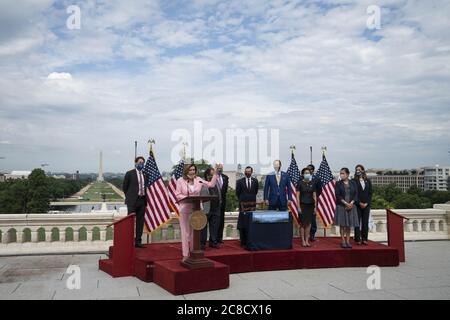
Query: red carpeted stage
(160, 262)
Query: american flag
(157, 211)
(176, 174)
(294, 176)
(326, 203)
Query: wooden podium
(197, 220)
(124, 252)
(395, 232)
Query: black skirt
(307, 214)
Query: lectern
(395, 232)
(197, 220)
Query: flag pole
(324, 151)
(184, 150)
(150, 142)
(135, 149)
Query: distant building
(403, 182)
(17, 175)
(437, 178)
(58, 176)
(2, 177)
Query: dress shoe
(138, 245)
(214, 245)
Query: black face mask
(248, 175)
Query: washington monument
(100, 168)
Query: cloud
(59, 76)
(142, 69)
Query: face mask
(219, 171)
(248, 175)
(139, 166)
(276, 168)
(358, 173)
(342, 177)
(307, 177)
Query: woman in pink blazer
(189, 185)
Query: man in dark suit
(317, 184)
(212, 211)
(246, 191)
(222, 181)
(134, 186)
(277, 189)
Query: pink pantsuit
(182, 191)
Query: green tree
(411, 201)
(38, 191)
(232, 200)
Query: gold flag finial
(292, 149)
(151, 142)
(324, 151)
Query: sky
(135, 70)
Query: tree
(411, 201)
(232, 200)
(38, 192)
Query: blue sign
(270, 216)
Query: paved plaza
(425, 275)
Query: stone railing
(89, 232)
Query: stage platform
(325, 253)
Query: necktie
(220, 181)
(278, 179)
(141, 193)
(249, 183)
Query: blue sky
(141, 69)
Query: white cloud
(135, 71)
(59, 76)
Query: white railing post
(76, 235)
(103, 234)
(62, 234)
(48, 235)
(5, 236)
(89, 235)
(34, 236)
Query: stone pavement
(425, 275)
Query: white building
(16, 174)
(436, 178)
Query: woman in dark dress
(306, 199)
(346, 216)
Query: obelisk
(100, 169)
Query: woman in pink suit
(189, 185)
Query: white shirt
(363, 184)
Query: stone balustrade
(89, 232)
